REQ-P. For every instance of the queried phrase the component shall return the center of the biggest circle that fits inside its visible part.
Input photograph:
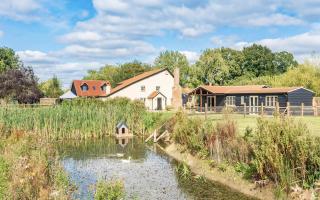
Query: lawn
(313, 123)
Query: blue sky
(68, 37)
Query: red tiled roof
(153, 95)
(135, 79)
(91, 92)
(247, 89)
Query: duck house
(122, 130)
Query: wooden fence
(289, 110)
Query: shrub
(109, 190)
(286, 153)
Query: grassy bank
(277, 150)
(82, 119)
(312, 122)
(29, 168)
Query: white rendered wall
(162, 79)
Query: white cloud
(30, 56)
(85, 36)
(191, 56)
(19, 9)
(274, 19)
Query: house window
(242, 100)
(143, 88)
(123, 130)
(94, 87)
(230, 101)
(84, 87)
(104, 87)
(158, 88)
(143, 100)
(271, 101)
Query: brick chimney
(176, 90)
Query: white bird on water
(126, 161)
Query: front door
(159, 103)
(254, 104)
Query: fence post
(205, 110)
(262, 109)
(288, 108)
(302, 109)
(245, 109)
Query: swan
(126, 161)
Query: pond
(147, 172)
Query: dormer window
(94, 87)
(158, 88)
(104, 87)
(84, 87)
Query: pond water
(147, 172)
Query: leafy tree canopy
(19, 85)
(212, 67)
(8, 59)
(51, 88)
(172, 60)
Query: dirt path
(228, 178)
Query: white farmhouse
(155, 88)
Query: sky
(67, 38)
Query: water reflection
(146, 172)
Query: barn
(252, 96)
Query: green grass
(313, 123)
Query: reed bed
(81, 119)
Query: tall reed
(83, 118)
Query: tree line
(220, 66)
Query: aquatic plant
(113, 190)
(286, 153)
(29, 169)
(183, 171)
(80, 119)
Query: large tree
(19, 85)
(258, 60)
(51, 88)
(212, 67)
(172, 60)
(283, 61)
(8, 59)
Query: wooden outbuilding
(214, 98)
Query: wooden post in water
(288, 108)
(155, 136)
(302, 109)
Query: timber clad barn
(250, 96)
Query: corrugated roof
(94, 88)
(247, 89)
(135, 79)
(68, 95)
